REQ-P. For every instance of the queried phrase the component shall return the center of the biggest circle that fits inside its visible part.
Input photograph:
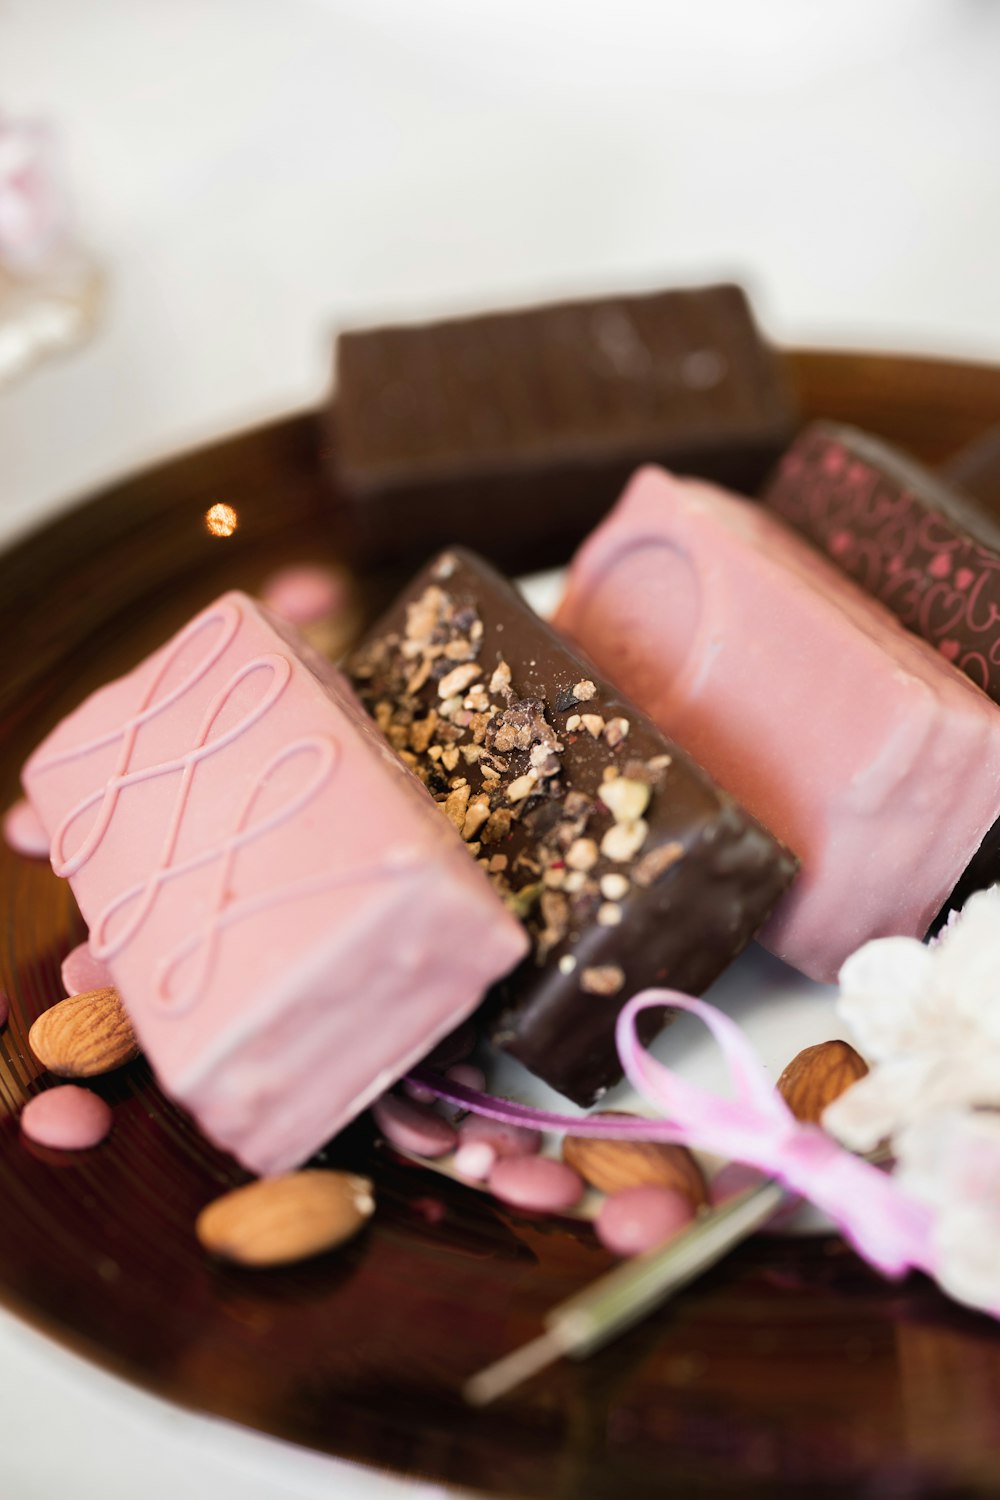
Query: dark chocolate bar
(975, 469)
(628, 864)
(513, 432)
(928, 552)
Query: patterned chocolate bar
(929, 553)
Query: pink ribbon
(890, 1230)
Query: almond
(282, 1219)
(817, 1076)
(84, 1035)
(613, 1165)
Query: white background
(255, 172)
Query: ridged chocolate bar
(513, 432)
(628, 864)
(927, 551)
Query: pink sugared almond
(85, 1035)
(278, 1220)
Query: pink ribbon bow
(890, 1230)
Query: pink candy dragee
(475, 1160)
(81, 971)
(24, 832)
(638, 1219)
(536, 1182)
(412, 1127)
(505, 1139)
(303, 593)
(67, 1118)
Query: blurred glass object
(50, 286)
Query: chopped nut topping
(479, 811)
(624, 840)
(500, 681)
(602, 979)
(573, 723)
(470, 753)
(522, 787)
(555, 877)
(658, 763)
(593, 724)
(614, 887)
(654, 864)
(497, 863)
(567, 964)
(576, 880)
(582, 854)
(616, 731)
(609, 914)
(449, 758)
(498, 826)
(477, 698)
(455, 805)
(458, 679)
(626, 799)
(584, 691)
(422, 730)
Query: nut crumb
(614, 887)
(657, 862)
(582, 854)
(593, 724)
(616, 731)
(449, 758)
(456, 804)
(626, 799)
(602, 979)
(584, 691)
(500, 681)
(573, 723)
(458, 679)
(624, 840)
(609, 914)
(567, 964)
(522, 786)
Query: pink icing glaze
(853, 741)
(24, 832)
(303, 593)
(639, 1218)
(81, 971)
(67, 1118)
(290, 921)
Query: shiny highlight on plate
(221, 520)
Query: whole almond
(613, 1165)
(817, 1076)
(84, 1035)
(282, 1219)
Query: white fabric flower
(950, 1160)
(927, 1018)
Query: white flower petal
(878, 1105)
(881, 987)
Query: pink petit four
(288, 918)
(854, 742)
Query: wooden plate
(790, 1369)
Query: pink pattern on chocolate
(941, 583)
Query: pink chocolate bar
(856, 743)
(290, 921)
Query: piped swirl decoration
(933, 575)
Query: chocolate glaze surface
(628, 864)
(928, 552)
(513, 432)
